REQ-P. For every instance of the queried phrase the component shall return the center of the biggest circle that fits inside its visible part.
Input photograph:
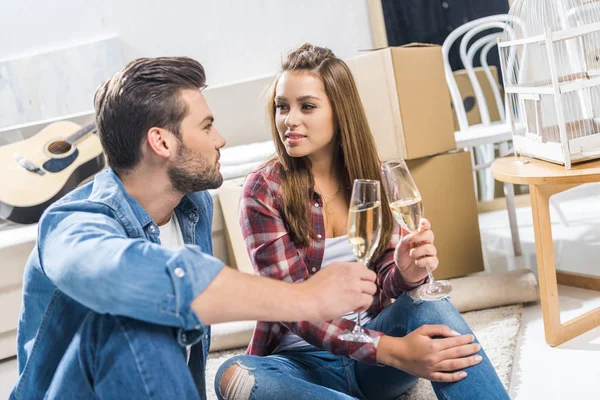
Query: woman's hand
(415, 253)
(433, 352)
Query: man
(122, 279)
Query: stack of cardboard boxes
(406, 99)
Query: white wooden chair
(485, 153)
(481, 138)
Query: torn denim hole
(241, 384)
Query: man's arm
(88, 257)
(234, 296)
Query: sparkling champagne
(364, 229)
(408, 212)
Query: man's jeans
(122, 358)
(310, 373)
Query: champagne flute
(407, 208)
(364, 233)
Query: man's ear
(160, 141)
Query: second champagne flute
(364, 233)
(407, 208)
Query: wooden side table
(544, 180)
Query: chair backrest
(467, 59)
(493, 41)
(469, 30)
(485, 43)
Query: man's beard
(191, 172)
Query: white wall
(233, 39)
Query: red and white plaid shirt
(273, 254)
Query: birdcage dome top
(533, 17)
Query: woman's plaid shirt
(274, 255)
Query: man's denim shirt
(99, 251)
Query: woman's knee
(440, 312)
(235, 379)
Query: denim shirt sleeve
(89, 257)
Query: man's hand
(329, 294)
(416, 252)
(338, 289)
(433, 352)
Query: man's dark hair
(145, 94)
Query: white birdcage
(550, 55)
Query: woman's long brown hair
(356, 156)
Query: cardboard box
(468, 95)
(446, 186)
(406, 99)
(230, 194)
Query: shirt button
(319, 236)
(152, 228)
(206, 337)
(317, 205)
(445, 5)
(314, 269)
(179, 272)
(197, 327)
(193, 216)
(184, 337)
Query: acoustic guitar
(39, 170)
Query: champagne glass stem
(358, 326)
(431, 282)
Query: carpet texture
(496, 329)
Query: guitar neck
(81, 133)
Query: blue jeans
(118, 357)
(310, 373)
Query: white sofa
(246, 125)
(16, 243)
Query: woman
(294, 219)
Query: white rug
(496, 329)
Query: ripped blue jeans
(310, 373)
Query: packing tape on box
(486, 290)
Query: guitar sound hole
(60, 147)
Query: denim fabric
(123, 358)
(99, 251)
(311, 373)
